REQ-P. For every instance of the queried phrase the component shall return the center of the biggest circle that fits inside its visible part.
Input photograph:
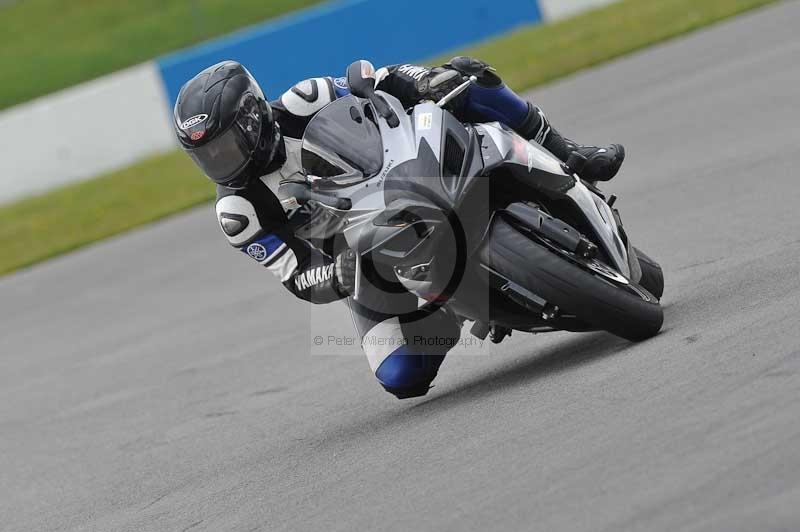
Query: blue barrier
(322, 41)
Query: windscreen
(342, 143)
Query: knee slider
(408, 373)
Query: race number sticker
(425, 121)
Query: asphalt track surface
(140, 390)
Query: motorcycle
(474, 218)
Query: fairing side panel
(528, 159)
(605, 226)
(507, 147)
(424, 173)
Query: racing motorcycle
(473, 218)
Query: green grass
(41, 227)
(36, 229)
(46, 45)
(536, 55)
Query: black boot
(602, 163)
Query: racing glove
(346, 272)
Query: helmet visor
(223, 157)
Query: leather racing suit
(297, 242)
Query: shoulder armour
(309, 96)
(238, 219)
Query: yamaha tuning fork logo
(341, 83)
(257, 251)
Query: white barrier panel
(80, 132)
(558, 9)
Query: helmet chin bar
(277, 156)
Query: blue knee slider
(406, 372)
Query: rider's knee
(405, 353)
(490, 99)
(408, 372)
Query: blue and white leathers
(496, 104)
(404, 348)
(297, 244)
(501, 104)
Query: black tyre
(623, 309)
(652, 275)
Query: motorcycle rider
(249, 146)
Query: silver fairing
(401, 144)
(599, 214)
(501, 146)
(503, 150)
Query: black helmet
(225, 124)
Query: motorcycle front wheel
(587, 289)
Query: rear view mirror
(361, 79)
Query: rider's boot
(602, 162)
(491, 99)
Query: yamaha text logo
(257, 251)
(193, 121)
